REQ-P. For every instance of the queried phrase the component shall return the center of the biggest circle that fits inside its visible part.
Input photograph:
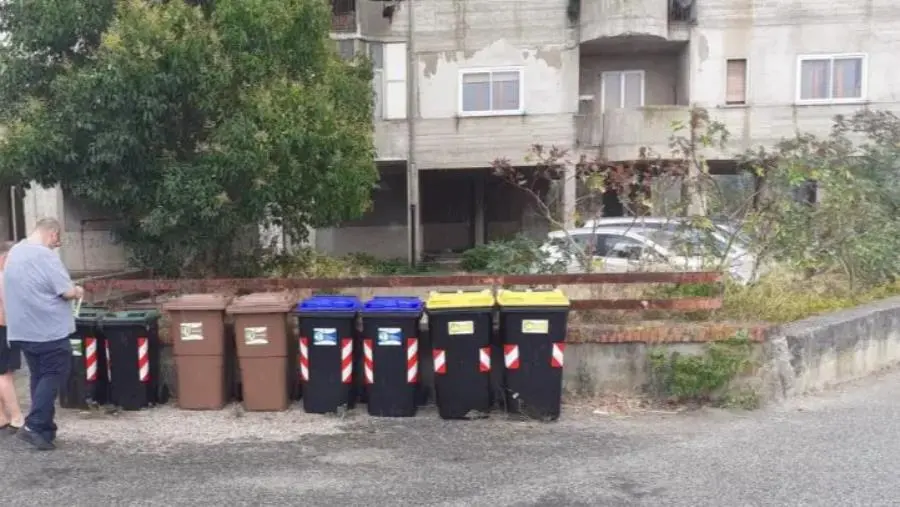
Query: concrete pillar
(43, 202)
(569, 197)
(413, 214)
(478, 216)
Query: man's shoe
(36, 441)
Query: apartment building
(604, 77)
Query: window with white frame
(622, 89)
(376, 54)
(491, 91)
(831, 78)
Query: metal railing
(151, 289)
(343, 15)
(683, 11)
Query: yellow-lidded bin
(533, 327)
(460, 325)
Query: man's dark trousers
(50, 364)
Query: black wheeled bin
(460, 324)
(328, 343)
(88, 385)
(391, 355)
(533, 336)
(133, 353)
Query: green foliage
(520, 255)
(193, 125)
(387, 267)
(704, 377)
(854, 226)
(781, 297)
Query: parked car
(639, 248)
(723, 233)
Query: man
(39, 318)
(11, 419)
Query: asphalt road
(836, 449)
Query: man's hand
(76, 292)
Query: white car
(724, 234)
(634, 248)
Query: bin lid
(531, 297)
(90, 314)
(130, 316)
(262, 302)
(329, 303)
(393, 304)
(438, 300)
(199, 302)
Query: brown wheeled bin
(203, 354)
(261, 331)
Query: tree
(193, 123)
(852, 226)
(627, 186)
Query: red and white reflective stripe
(557, 355)
(304, 359)
(440, 361)
(90, 359)
(143, 359)
(368, 362)
(346, 360)
(484, 359)
(108, 362)
(412, 360)
(511, 356)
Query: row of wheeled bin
(332, 352)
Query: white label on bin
(191, 331)
(392, 336)
(325, 336)
(76, 347)
(256, 336)
(535, 326)
(461, 327)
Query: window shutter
(736, 82)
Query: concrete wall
(794, 359)
(88, 242)
(533, 35)
(816, 353)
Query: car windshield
(739, 236)
(687, 242)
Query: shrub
(519, 255)
(704, 377)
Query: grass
(782, 297)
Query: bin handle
(459, 291)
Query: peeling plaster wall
(456, 35)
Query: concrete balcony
(635, 19)
(621, 134)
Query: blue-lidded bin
(328, 343)
(391, 347)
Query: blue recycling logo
(325, 336)
(390, 336)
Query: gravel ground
(838, 448)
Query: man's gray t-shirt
(35, 280)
